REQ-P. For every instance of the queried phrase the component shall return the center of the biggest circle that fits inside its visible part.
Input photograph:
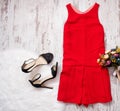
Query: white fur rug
(16, 93)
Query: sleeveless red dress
(82, 80)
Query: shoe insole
(42, 80)
(35, 62)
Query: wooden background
(37, 26)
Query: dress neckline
(77, 11)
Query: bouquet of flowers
(111, 58)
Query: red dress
(82, 80)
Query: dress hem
(101, 100)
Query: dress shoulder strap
(68, 7)
(96, 7)
(97, 12)
(70, 12)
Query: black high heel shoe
(31, 63)
(36, 82)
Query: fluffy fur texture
(16, 93)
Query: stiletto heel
(36, 82)
(31, 63)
